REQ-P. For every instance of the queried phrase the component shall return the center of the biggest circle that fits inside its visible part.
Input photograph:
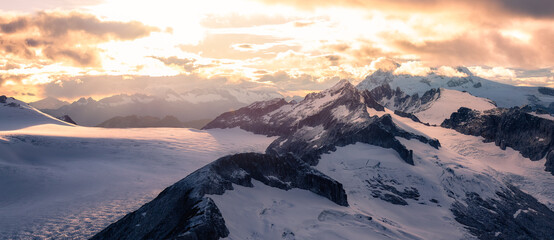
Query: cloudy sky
(73, 48)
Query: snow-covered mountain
(517, 128)
(49, 103)
(503, 95)
(189, 106)
(59, 181)
(434, 106)
(15, 114)
(337, 116)
(345, 167)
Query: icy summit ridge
(322, 121)
(503, 95)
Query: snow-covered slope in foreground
(345, 168)
(15, 114)
(61, 182)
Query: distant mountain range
(346, 167)
(503, 95)
(194, 105)
(16, 114)
(49, 103)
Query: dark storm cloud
(532, 8)
(14, 25)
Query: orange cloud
(528, 8)
(485, 48)
(63, 37)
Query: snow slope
(15, 114)
(503, 95)
(450, 101)
(375, 177)
(70, 182)
(442, 177)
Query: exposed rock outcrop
(67, 119)
(321, 122)
(532, 136)
(514, 215)
(399, 101)
(183, 211)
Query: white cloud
(495, 73)
(415, 68)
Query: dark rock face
(550, 162)
(399, 101)
(4, 100)
(532, 136)
(67, 119)
(250, 119)
(514, 215)
(546, 91)
(458, 82)
(410, 116)
(379, 132)
(320, 123)
(13, 104)
(387, 192)
(182, 211)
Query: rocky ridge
(182, 211)
(531, 135)
(321, 122)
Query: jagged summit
(338, 116)
(433, 106)
(503, 95)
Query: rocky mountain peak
(342, 87)
(465, 70)
(319, 123)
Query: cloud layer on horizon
(290, 46)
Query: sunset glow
(293, 47)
